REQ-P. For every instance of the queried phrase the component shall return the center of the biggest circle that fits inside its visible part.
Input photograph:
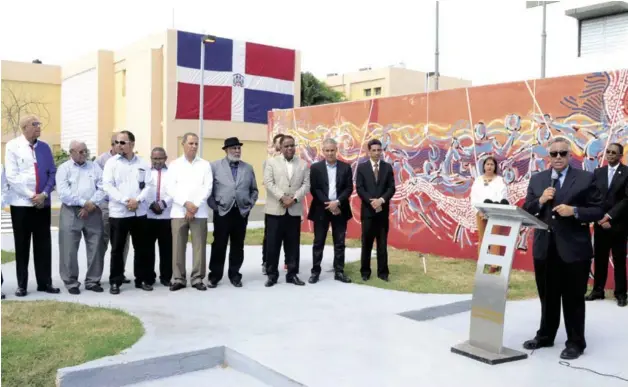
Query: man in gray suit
(234, 194)
(287, 181)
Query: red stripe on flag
(217, 102)
(268, 61)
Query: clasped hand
(287, 201)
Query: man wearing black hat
(234, 194)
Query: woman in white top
(488, 188)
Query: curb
(125, 373)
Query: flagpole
(201, 99)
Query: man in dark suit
(331, 185)
(567, 199)
(611, 233)
(375, 185)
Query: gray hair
(559, 140)
(330, 141)
(158, 149)
(75, 144)
(188, 134)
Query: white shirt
(78, 184)
(189, 182)
(121, 182)
(289, 166)
(611, 173)
(163, 198)
(20, 171)
(496, 190)
(331, 177)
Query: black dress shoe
(138, 285)
(595, 295)
(199, 286)
(96, 288)
(147, 287)
(537, 343)
(48, 289)
(126, 280)
(270, 282)
(313, 278)
(622, 302)
(21, 292)
(366, 278)
(74, 291)
(236, 283)
(295, 280)
(212, 285)
(570, 353)
(383, 278)
(176, 286)
(342, 278)
(114, 289)
(165, 283)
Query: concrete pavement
(334, 334)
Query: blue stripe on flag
(258, 103)
(218, 55)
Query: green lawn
(444, 275)
(8, 256)
(38, 337)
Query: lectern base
(475, 353)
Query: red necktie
(36, 170)
(158, 184)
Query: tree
(16, 104)
(315, 92)
(61, 156)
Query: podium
(491, 284)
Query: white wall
(79, 110)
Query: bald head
(78, 152)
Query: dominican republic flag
(243, 81)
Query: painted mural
(436, 141)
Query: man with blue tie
(567, 200)
(234, 194)
(79, 183)
(611, 233)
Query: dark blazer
(572, 236)
(615, 197)
(367, 189)
(319, 187)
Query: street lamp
(206, 39)
(427, 80)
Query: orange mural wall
(436, 141)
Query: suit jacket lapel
(325, 177)
(616, 177)
(565, 188)
(604, 180)
(241, 171)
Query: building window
(367, 92)
(378, 91)
(603, 35)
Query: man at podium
(567, 200)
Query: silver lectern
(491, 284)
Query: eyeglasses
(120, 142)
(288, 146)
(83, 152)
(561, 153)
(36, 124)
(611, 152)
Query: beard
(233, 158)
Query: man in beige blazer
(287, 181)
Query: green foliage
(315, 92)
(61, 156)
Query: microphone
(554, 178)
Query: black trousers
(120, 228)
(32, 222)
(264, 242)
(286, 230)
(557, 280)
(338, 233)
(605, 242)
(374, 229)
(160, 231)
(228, 229)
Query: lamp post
(201, 100)
(427, 80)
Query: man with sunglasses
(128, 183)
(611, 233)
(30, 171)
(567, 200)
(101, 161)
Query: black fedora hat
(231, 141)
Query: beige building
(135, 88)
(388, 82)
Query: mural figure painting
(436, 147)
